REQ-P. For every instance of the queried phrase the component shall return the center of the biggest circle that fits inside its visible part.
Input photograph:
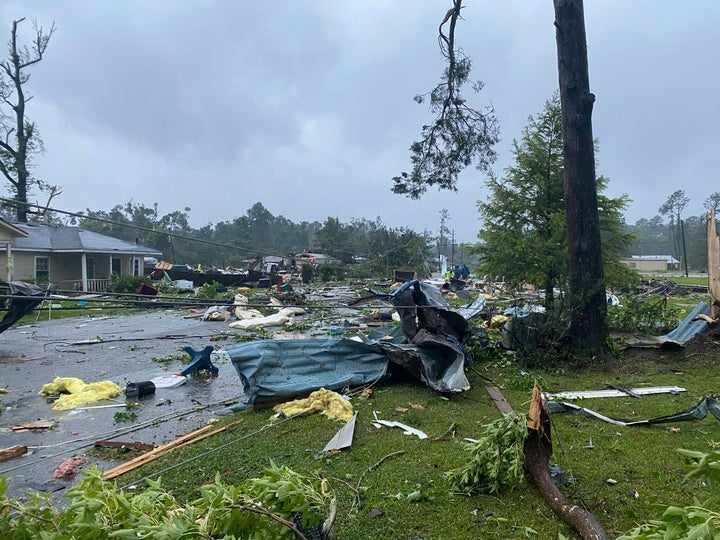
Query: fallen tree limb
(537, 450)
(357, 502)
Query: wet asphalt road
(33, 355)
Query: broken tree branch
(537, 450)
(261, 511)
(369, 469)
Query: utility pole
(452, 249)
(682, 234)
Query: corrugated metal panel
(688, 328)
(276, 370)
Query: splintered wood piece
(12, 452)
(190, 438)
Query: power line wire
(132, 226)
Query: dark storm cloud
(312, 101)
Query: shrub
(650, 315)
(126, 284)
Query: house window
(42, 269)
(115, 266)
(136, 267)
(90, 267)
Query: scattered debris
(12, 452)
(217, 313)
(559, 476)
(273, 371)
(190, 438)
(70, 467)
(326, 402)
(36, 425)
(90, 341)
(499, 400)
(168, 381)
(125, 445)
(343, 438)
(74, 392)
(698, 412)
(356, 502)
(140, 389)
(614, 392)
(376, 512)
(199, 360)
(282, 317)
(22, 299)
(407, 430)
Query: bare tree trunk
(587, 283)
(13, 124)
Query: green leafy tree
(651, 237)
(712, 202)
(523, 236)
(335, 239)
(460, 136)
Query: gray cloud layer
(306, 106)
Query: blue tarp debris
(430, 350)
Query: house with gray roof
(71, 258)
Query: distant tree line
(671, 233)
(362, 247)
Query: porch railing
(93, 285)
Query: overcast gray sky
(307, 105)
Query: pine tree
(524, 228)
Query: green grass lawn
(647, 471)
(392, 485)
(679, 278)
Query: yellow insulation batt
(75, 392)
(326, 402)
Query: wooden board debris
(37, 424)
(190, 438)
(499, 400)
(131, 445)
(12, 452)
